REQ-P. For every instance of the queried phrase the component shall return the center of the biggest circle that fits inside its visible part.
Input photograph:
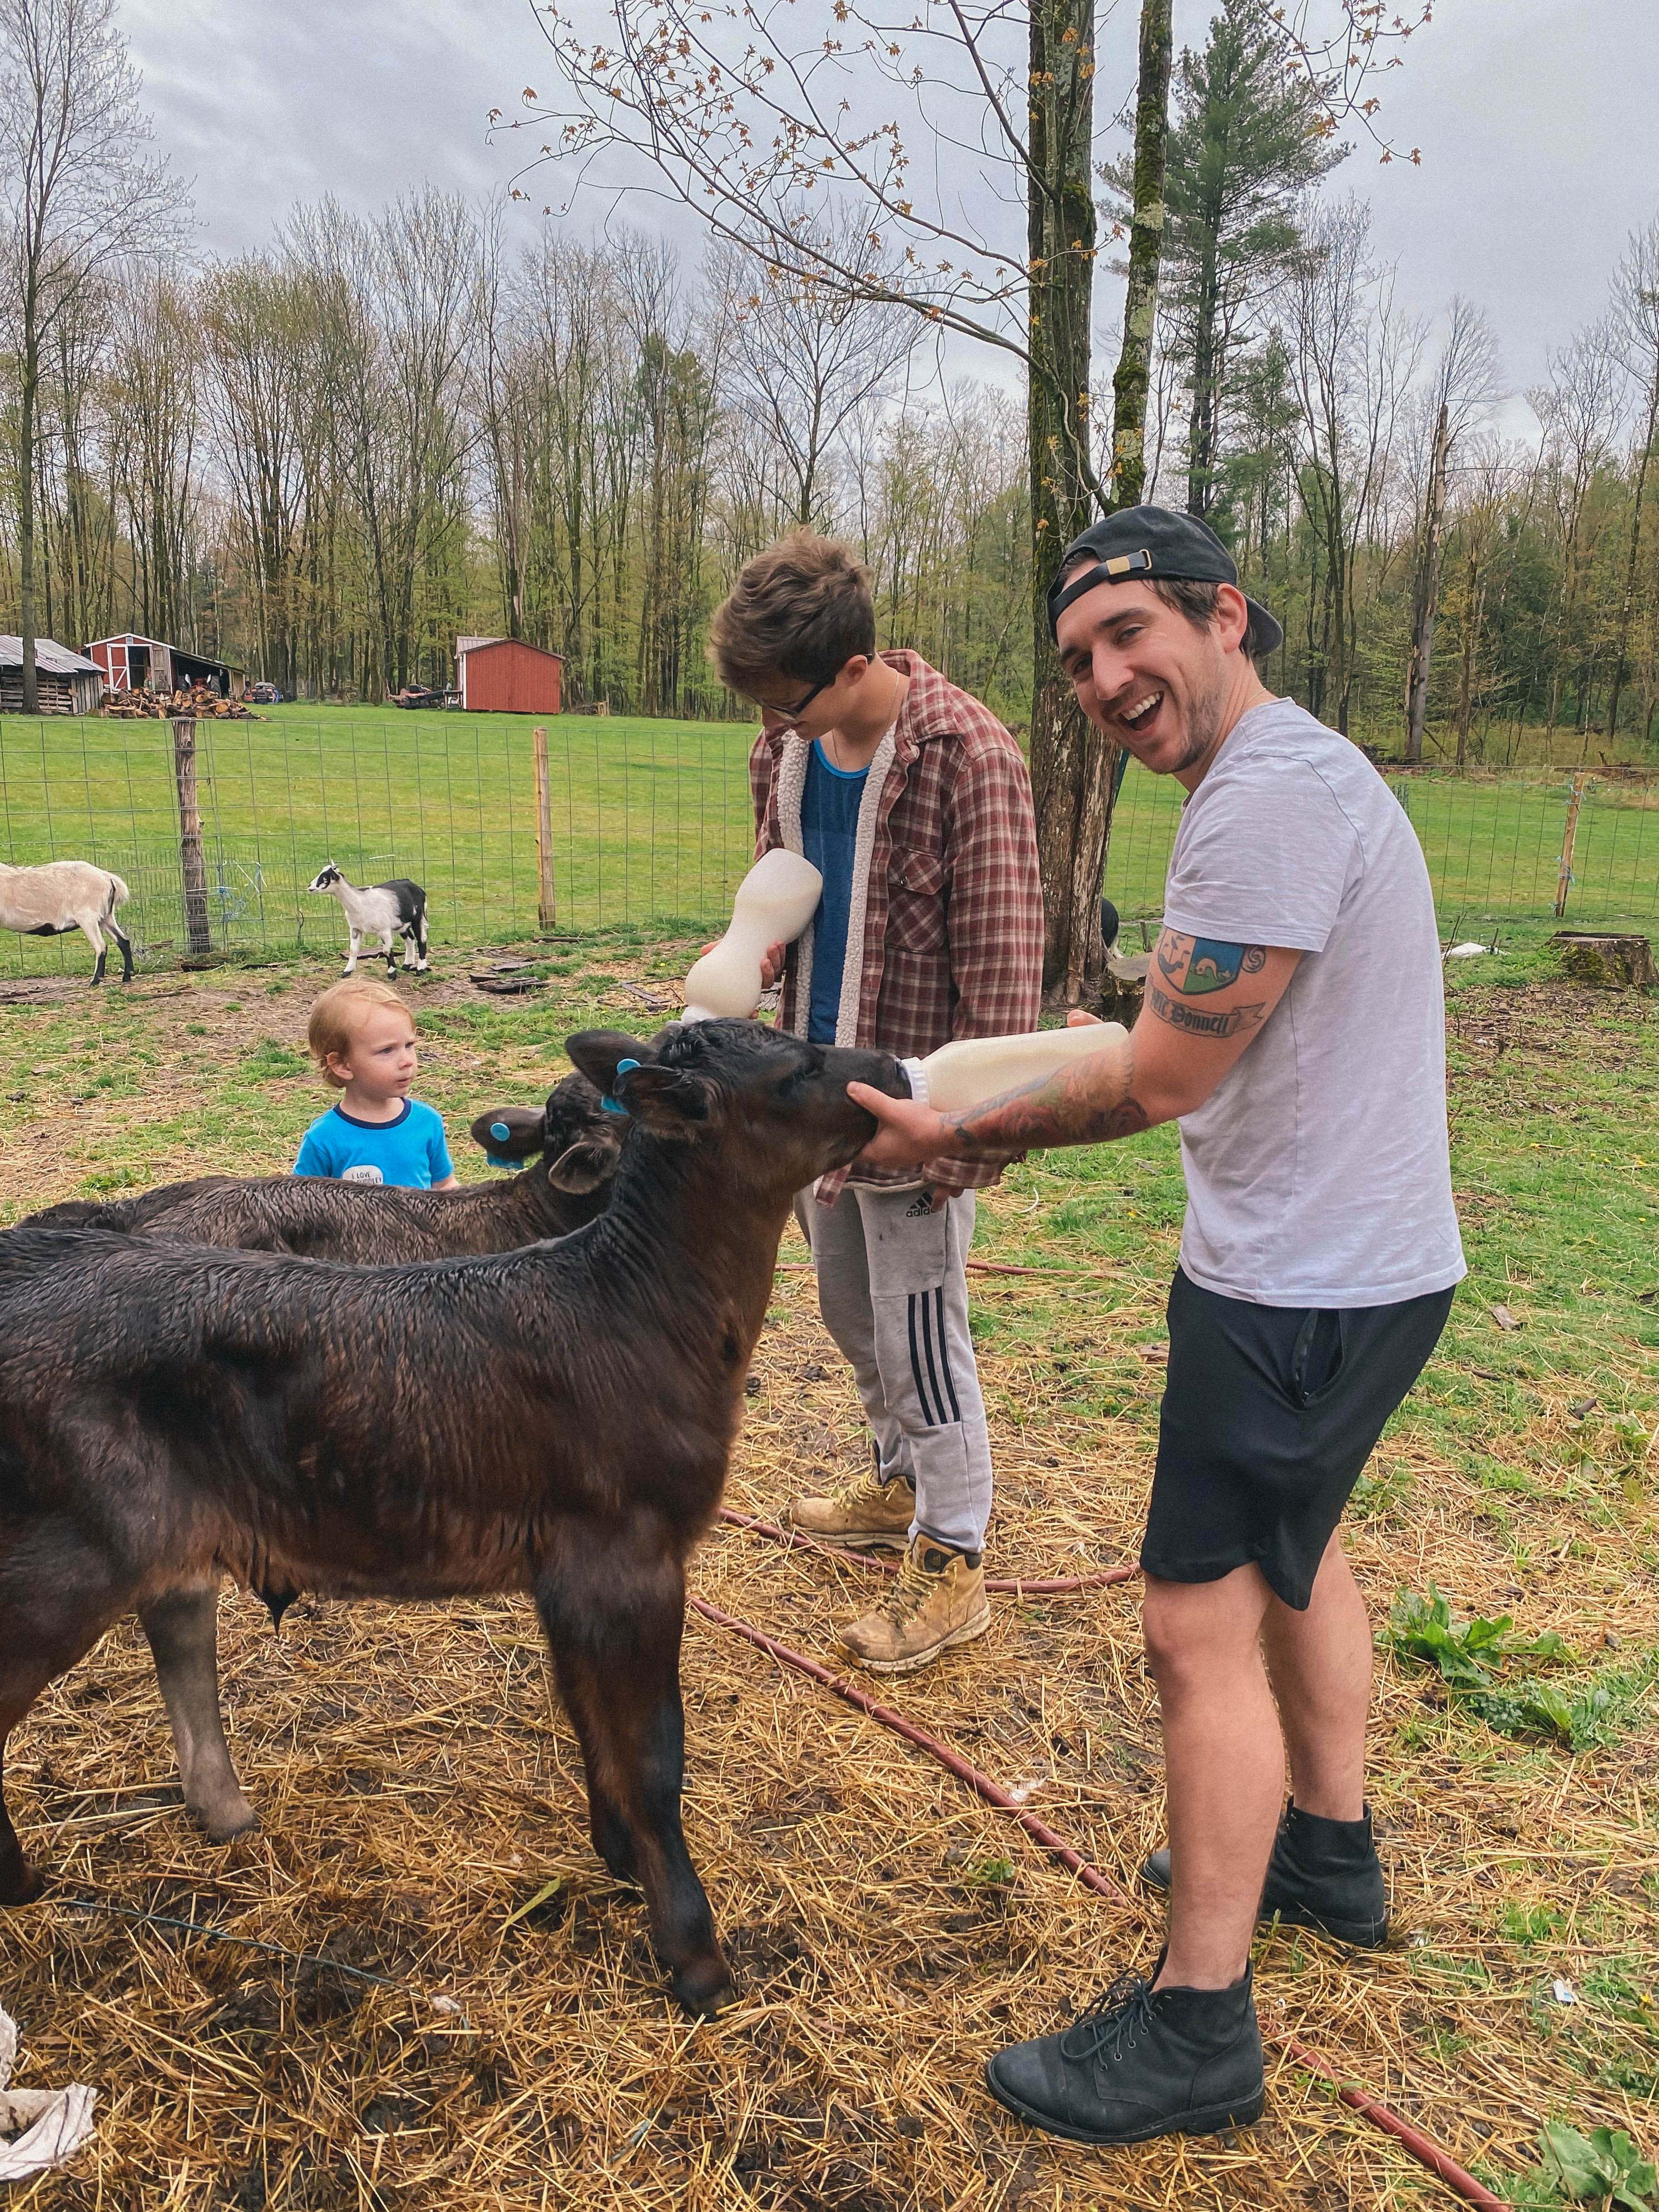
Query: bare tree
(1635, 335)
(1579, 409)
(752, 119)
(1352, 355)
(256, 321)
(804, 359)
(397, 300)
(81, 193)
(1464, 386)
(154, 387)
(1487, 495)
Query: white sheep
(383, 910)
(59, 896)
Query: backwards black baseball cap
(1152, 543)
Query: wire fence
(650, 827)
(650, 822)
(1495, 844)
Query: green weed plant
(1471, 1657)
(1603, 2168)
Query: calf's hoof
(222, 1822)
(704, 1987)
(21, 1880)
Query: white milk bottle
(775, 903)
(974, 1069)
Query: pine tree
(1247, 140)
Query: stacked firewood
(134, 706)
(188, 700)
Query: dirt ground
(423, 1820)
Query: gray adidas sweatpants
(893, 1291)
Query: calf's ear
(583, 1167)
(512, 1133)
(595, 1052)
(668, 1101)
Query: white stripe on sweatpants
(893, 1291)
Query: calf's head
(580, 1141)
(776, 1109)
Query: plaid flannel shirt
(953, 916)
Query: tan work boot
(865, 1511)
(939, 1599)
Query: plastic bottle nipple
(775, 902)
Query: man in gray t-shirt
(1293, 1026)
(1317, 1173)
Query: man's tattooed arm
(1084, 1103)
(1197, 965)
(1189, 1036)
(1192, 1021)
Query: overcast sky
(1534, 118)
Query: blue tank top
(829, 831)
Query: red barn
(505, 675)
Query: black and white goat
(59, 896)
(382, 910)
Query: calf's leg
(20, 1880)
(614, 1624)
(420, 924)
(352, 951)
(183, 1628)
(52, 1610)
(125, 944)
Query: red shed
(505, 675)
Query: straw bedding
(417, 1790)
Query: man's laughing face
(1147, 676)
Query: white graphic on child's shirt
(365, 1172)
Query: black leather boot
(1323, 1875)
(1139, 2063)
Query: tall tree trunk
(1145, 252)
(1425, 591)
(1207, 385)
(1475, 610)
(1065, 752)
(1073, 765)
(28, 392)
(1622, 639)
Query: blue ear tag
(613, 1105)
(499, 1130)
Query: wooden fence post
(192, 866)
(1564, 881)
(547, 910)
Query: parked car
(264, 695)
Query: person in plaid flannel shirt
(914, 802)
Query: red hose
(1019, 1586)
(1422, 2148)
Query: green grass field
(651, 827)
(1492, 842)
(651, 819)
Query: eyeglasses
(793, 713)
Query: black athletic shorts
(1269, 1415)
